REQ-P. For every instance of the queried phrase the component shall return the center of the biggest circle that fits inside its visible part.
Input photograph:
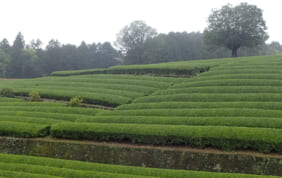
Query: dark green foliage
(16, 129)
(78, 72)
(27, 61)
(29, 166)
(23, 60)
(110, 90)
(75, 101)
(34, 96)
(235, 27)
(225, 107)
(131, 38)
(33, 119)
(176, 46)
(4, 60)
(239, 121)
(6, 92)
(227, 138)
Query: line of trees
(21, 60)
(149, 47)
(240, 29)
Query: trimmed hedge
(81, 167)
(30, 120)
(8, 128)
(231, 82)
(261, 122)
(78, 72)
(51, 109)
(212, 97)
(45, 115)
(204, 105)
(61, 172)
(226, 138)
(109, 90)
(269, 76)
(157, 71)
(199, 112)
(34, 119)
(18, 174)
(221, 89)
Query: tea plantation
(29, 167)
(228, 104)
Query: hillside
(227, 104)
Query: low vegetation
(6, 92)
(29, 167)
(110, 90)
(75, 101)
(233, 110)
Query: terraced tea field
(12, 166)
(231, 104)
(110, 90)
(182, 68)
(238, 111)
(34, 119)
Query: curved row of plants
(14, 166)
(231, 112)
(109, 90)
(183, 68)
(34, 119)
(233, 100)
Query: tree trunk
(234, 52)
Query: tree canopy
(131, 38)
(235, 27)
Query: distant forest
(21, 60)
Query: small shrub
(75, 101)
(7, 92)
(34, 96)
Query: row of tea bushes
(12, 166)
(110, 90)
(226, 138)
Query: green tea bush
(34, 96)
(7, 92)
(263, 122)
(34, 167)
(18, 129)
(75, 101)
(227, 138)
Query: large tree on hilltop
(235, 27)
(131, 38)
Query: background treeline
(21, 60)
(180, 46)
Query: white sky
(71, 21)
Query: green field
(12, 166)
(34, 119)
(110, 90)
(189, 68)
(236, 104)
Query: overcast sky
(71, 21)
